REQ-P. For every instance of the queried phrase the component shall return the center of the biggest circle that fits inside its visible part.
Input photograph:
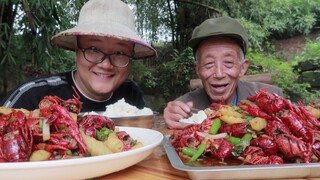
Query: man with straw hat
(105, 42)
(219, 45)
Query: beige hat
(109, 18)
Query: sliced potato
(5, 110)
(40, 155)
(114, 143)
(138, 145)
(315, 112)
(229, 111)
(231, 119)
(95, 147)
(258, 123)
(35, 113)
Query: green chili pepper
(200, 150)
(216, 124)
(234, 140)
(103, 134)
(238, 110)
(69, 153)
(40, 124)
(246, 139)
(240, 144)
(248, 118)
(58, 157)
(188, 151)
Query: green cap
(221, 26)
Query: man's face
(98, 81)
(219, 67)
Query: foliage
(26, 28)
(257, 35)
(311, 51)
(283, 76)
(175, 74)
(288, 18)
(152, 19)
(143, 75)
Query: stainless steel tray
(305, 170)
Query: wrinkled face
(98, 81)
(219, 67)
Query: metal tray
(294, 170)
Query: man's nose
(218, 72)
(106, 61)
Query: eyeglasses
(96, 56)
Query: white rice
(196, 118)
(123, 109)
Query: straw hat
(108, 18)
(221, 26)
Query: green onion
(103, 134)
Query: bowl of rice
(124, 114)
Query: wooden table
(156, 166)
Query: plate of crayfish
(265, 136)
(56, 142)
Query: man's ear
(244, 67)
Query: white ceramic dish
(84, 168)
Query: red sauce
(210, 161)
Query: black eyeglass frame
(105, 55)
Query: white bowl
(88, 167)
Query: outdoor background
(284, 40)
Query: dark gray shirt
(201, 100)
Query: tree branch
(201, 5)
(29, 16)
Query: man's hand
(175, 111)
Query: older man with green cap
(219, 45)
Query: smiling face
(219, 67)
(98, 81)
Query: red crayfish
(290, 132)
(22, 132)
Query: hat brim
(67, 39)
